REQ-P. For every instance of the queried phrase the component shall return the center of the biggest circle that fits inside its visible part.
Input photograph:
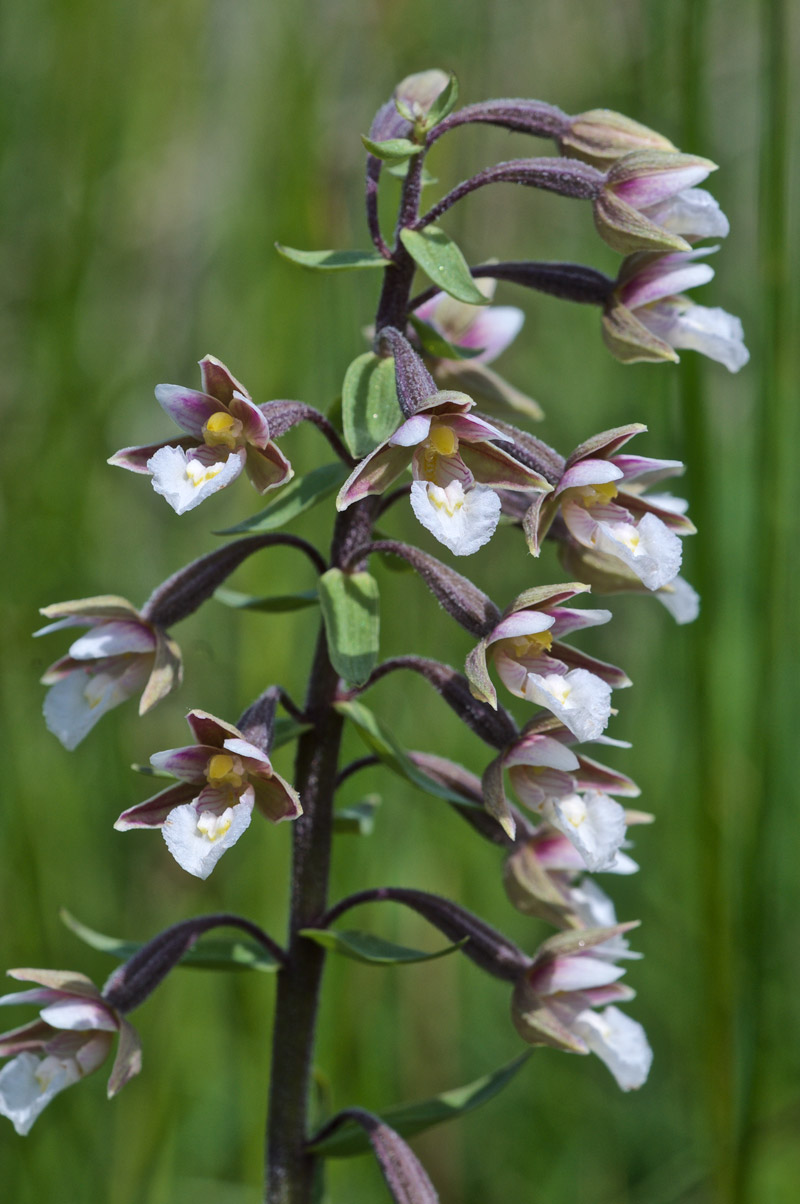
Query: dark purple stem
(568, 281)
(567, 177)
(356, 767)
(521, 116)
(373, 176)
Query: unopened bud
(601, 136)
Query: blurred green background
(152, 155)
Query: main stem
(290, 1168)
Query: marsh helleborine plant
(424, 421)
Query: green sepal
(443, 105)
(210, 953)
(272, 604)
(370, 409)
(410, 1119)
(442, 260)
(351, 612)
(298, 496)
(334, 261)
(374, 950)
(378, 739)
(393, 150)
(435, 344)
(357, 819)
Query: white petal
(28, 1083)
(193, 849)
(78, 1016)
(648, 548)
(113, 639)
(463, 522)
(712, 332)
(571, 973)
(593, 822)
(693, 212)
(681, 600)
(581, 700)
(185, 482)
(619, 1042)
(75, 703)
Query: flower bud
(601, 136)
(649, 203)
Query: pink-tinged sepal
(275, 798)
(591, 775)
(218, 381)
(135, 459)
(207, 729)
(268, 468)
(188, 764)
(187, 408)
(374, 474)
(606, 444)
(647, 204)
(153, 811)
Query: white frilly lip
(681, 600)
(580, 699)
(28, 1083)
(73, 705)
(462, 521)
(592, 822)
(170, 466)
(194, 851)
(618, 1041)
(713, 332)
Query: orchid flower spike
(226, 432)
(456, 467)
(555, 1002)
(221, 778)
(71, 1038)
(649, 203)
(647, 317)
(119, 655)
(532, 662)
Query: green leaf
(334, 261)
(399, 171)
(210, 953)
(364, 947)
(437, 345)
(409, 1119)
(287, 729)
(350, 611)
(298, 496)
(443, 105)
(370, 409)
(393, 149)
(441, 260)
(271, 605)
(357, 819)
(378, 740)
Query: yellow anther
(222, 429)
(443, 440)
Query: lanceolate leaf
(271, 605)
(393, 149)
(370, 410)
(364, 947)
(299, 495)
(333, 261)
(350, 609)
(358, 819)
(443, 105)
(378, 739)
(410, 1119)
(217, 953)
(441, 260)
(437, 345)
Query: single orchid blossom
(532, 663)
(119, 655)
(221, 779)
(71, 1038)
(456, 467)
(225, 433)
(650, 203)
(555, 1002)
(647, 317)
(600, 499)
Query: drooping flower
(119, 655)
(571, 793)
(455, 466)
(221, 779)
(649, 203)
(647, 317)
(600, 499)
(532, 663)
(555, 1002)
(483, 333)
(226, 432)
(71, 1038)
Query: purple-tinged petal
(649, 286)
(492, 330)
(189, 764)
(539, 750)
(35, 995)
(607, 672)
(254, 423)
(642, 187)
(207, 729)
(472, 428)
(591, 775)
(374, 474)
(587, 473)
(135, 458)
(576, 973)
(218, 382)
(268, 468)
(522, 622)
(189, 409)
(153, 811)
(647, 471)
(566, 620)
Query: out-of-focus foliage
(154, 152)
